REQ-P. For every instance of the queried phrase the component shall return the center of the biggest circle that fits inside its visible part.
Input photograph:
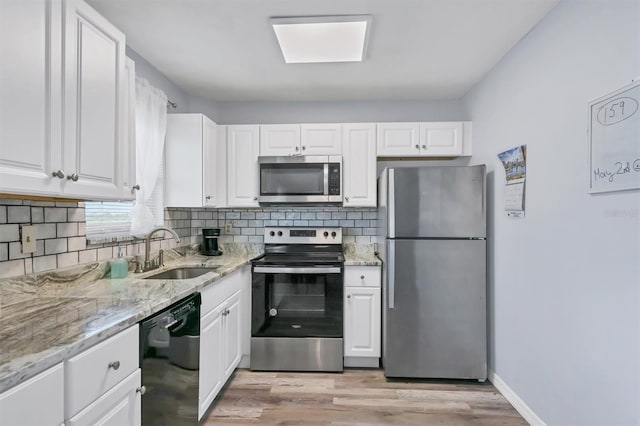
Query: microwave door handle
(326, 178)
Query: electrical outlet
(227, 228)
(28, 239)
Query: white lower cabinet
(37, 401)
(102, 384)
(221, 338)
(120, 406)
(362, 316)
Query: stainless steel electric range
(296, 295)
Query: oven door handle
(284, 270)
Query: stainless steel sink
(182, 273)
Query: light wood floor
(357, 397)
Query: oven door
(297, 301)
(304, 179)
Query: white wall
(564, 281)
(336, 112)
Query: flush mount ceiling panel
(225, 50)
(322, 39)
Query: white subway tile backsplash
(12, 268)
(75, 214)
(9, 233)
(37, 215)
(55, 214)
(87, 256)
(18, 214)
(105, 253)
(15, 251)
(28, 266)
(4, 252)
(44, 263)
(3, 214)
(67, 259)
(67, 229)
(76, 243)
(55, 246)
(45, 230)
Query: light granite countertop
(360, 255)
(49, 317)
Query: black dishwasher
(170, 360)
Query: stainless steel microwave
(313, 179)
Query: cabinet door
(359, 165)
(362, 322)
(128, 169)
(232, 334)
(398, 139)
(441, 139)
(321, 139)
(183, 160)
(280, 139)
(242, 167)
(30, 74)
(94, 103)
(211, 152)
(120, 406)
(37, 401)
(211, 364)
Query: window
(108, 220)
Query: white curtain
(151, 127)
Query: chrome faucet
(147, 245)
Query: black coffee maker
(210, 242)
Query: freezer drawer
(434, 309)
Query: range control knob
(272, 233)
(279, 233)
(333, 234)
(326, 234)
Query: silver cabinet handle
(424, 147)
(417, 146)
(362, 277)
(208, 197)
(346, 199)
(141, 390)
(304, 147)
(255, 198)
(114, 364)
(59, 174)
(73, 177)
(297, 149)
(135, 188)
(348, 296)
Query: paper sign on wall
(515, 167)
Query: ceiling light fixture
(314, 39)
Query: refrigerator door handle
(391, 272)
(391, 204)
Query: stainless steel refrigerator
(432, 241)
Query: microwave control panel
(334, 178)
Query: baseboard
(361, 362)
(520, 406)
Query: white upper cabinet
(359, 165)
(432, 139)
(30, 95)
(441, 138)
(73, 144)
(243, 147)
(193, 156)
(280, 139)
(321, 139)
(398, 139)
(301, 139)
(94, 131)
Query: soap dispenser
(119, 266)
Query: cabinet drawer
(362, 276)
(219, 291)
(96, 370)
